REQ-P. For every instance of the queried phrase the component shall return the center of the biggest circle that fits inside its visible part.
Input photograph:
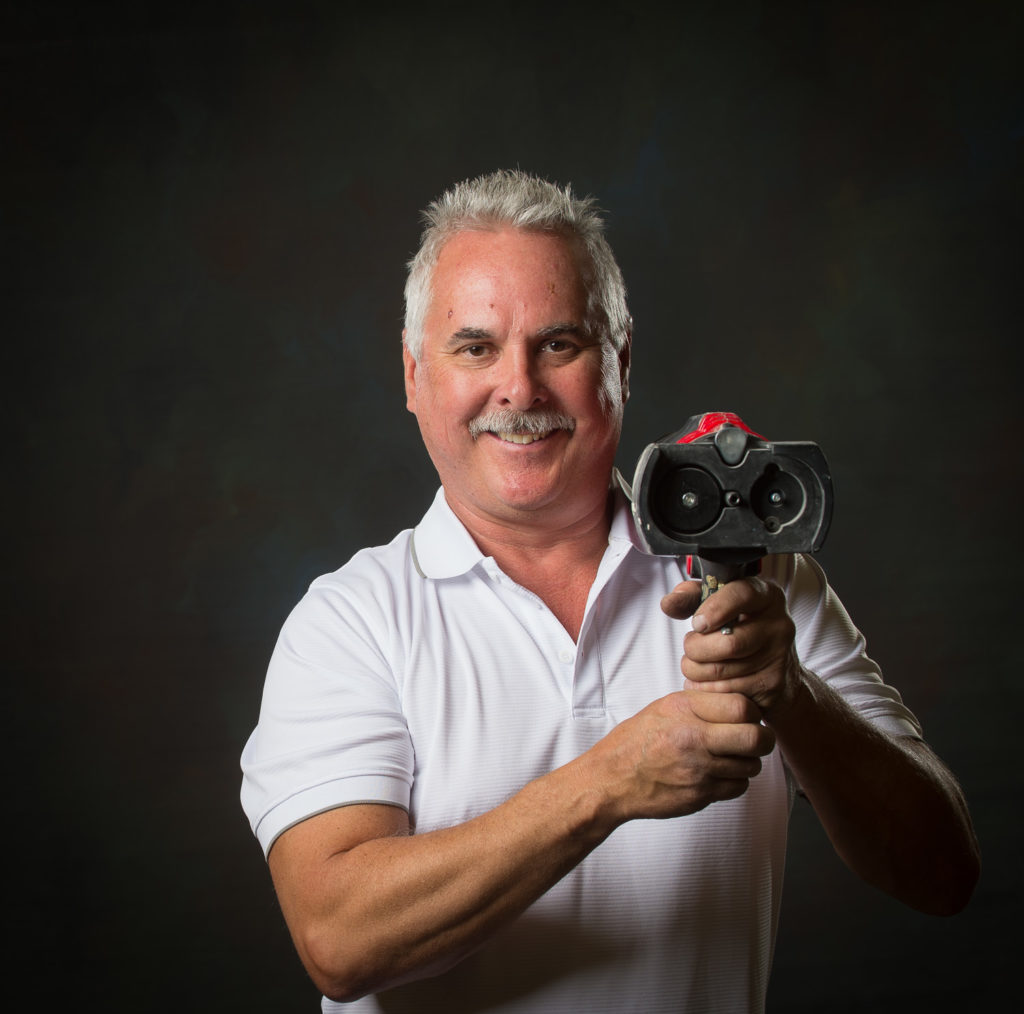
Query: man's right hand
(371, 905)
(679, 754)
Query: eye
(560, 347)
(476, 352)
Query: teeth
(522, 438)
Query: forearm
(892, 810)
(397, 908)
(371, 906)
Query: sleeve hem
(381, 789)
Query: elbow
(345, 974)
(342, 973)
(960, 885)
(347, 967)
(952, 885)
(337, 990)
(936, 878)
(340, 989)
(963, 874)
(950, 901)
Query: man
(465, 733)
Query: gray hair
(512, 198)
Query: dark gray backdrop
(205, 219)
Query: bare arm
(891, 809)
(371, 905)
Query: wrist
(797, 702)
(586, 800)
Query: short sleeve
(829, 645)
(331, 730)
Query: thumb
(682, 601)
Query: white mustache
(539, 421)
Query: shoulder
(371, 570)
(831, 645)
(804, 583)
(363, 596)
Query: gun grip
(713, 574)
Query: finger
(723, 709)
(730, 788)
(743, 641)
(681, 602)
(740, 746)
(759, 688)
(735, 767)
(753, 675)
(746, 595)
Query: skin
(892, 810)
(371, 905)
(505, 331)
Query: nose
(520, 384)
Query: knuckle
(718, 669)
(752, 741)
(749, 713)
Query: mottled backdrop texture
(205, 218)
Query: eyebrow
(565, 327)
(471, 334)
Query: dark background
(205, 220)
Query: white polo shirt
(420, 675)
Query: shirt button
(565, 656)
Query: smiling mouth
(522, 438)
(521, 427)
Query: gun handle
(714, 575)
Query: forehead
(507, 264)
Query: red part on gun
(711, 421)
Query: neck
(558, 563)
(534, 536)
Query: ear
(409, 367)
(624, 361)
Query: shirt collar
(441, 545)
(443, 548)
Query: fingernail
(699, 623)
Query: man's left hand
(757, 658)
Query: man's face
(505, 349)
